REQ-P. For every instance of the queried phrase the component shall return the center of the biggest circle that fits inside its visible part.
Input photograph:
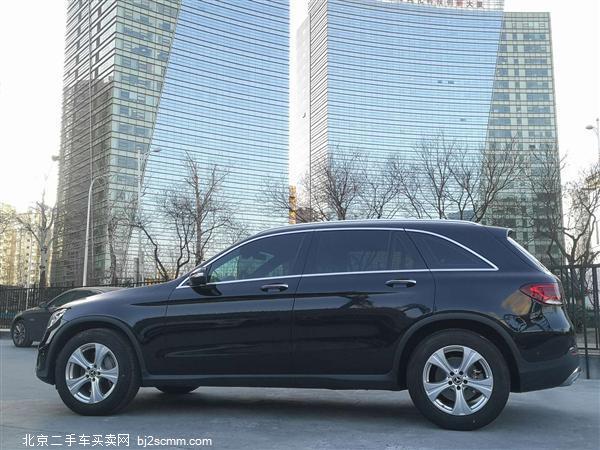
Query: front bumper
(44, 370)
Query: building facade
(387, 75)
(19, 252)
(148, 85)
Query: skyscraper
(387, 74)
(149, 84)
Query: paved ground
(562, 418)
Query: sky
(31, 88)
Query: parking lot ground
(251, 418)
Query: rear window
(532, 259)
(440, 253)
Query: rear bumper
(572, 378)
(561, 371)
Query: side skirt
(376, 382)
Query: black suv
(456, 312)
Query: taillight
(545, 293)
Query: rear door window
(342, 251)
(442, 254)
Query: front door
(361, 289)
(240, 322)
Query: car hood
(125, 295)
(35, 308)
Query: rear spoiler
(500, 232)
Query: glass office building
(147, 83)
(387, 74)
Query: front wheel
(97, 373)
(458, 379)
(20, 334)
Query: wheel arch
(78, 325)
(465, 321)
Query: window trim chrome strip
(219, 256)
(492, 267)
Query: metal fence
(581, 285)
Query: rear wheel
(458, 379)
(97, 373)
(20, 334)
(176, 390)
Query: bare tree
(119, 233)
(570, 230)
(479, 181)
(436, 158)
(288, 201)
(196, 216)
(411, 202)
(337, 185)
(7, 217)
(39, 223)
(449, 180)
(210, 211)
(176, 216)
(380, 191)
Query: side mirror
(199, 278)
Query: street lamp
(140, 270)
(87, 229)
(596, 129)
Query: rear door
(361, 289)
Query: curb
(4, 333)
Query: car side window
(340, 251)
(70, 296)
(62, 299)
(274, 256)
(440, 253)
(403, 253)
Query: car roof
(429, 224)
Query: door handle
(274, 287)
(407, 283)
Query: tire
(487, 380)
(116, 377)
(176, 390)
(20, 334)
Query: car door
(361, 289)
(240, 322)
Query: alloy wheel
(91, 373)
(458, 380)
(19, 333)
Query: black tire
(495, 361)
(128, 381)
(20, 334)
(176, 390)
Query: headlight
(55, 317)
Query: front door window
(270, 257)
